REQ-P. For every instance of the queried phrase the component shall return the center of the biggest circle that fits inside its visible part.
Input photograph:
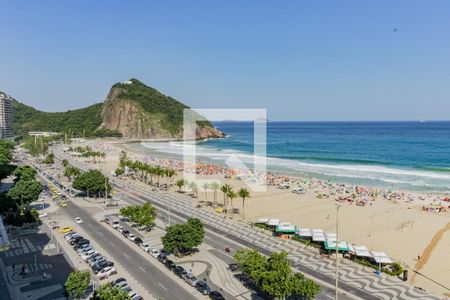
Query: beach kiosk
(330, 246)
(304, 233)
(318, 235)
(359, 251)
(381, 258)
(273, 223)
(285, 230)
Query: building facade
(6, 116)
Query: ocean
(398, 155)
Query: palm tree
(194, 188)
(65, 162)
(243, 193)
(231, 195)
(215, 187)
(226, 188)
(205, 187)
(180, 183)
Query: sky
(300, 60)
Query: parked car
(190, 279)
(145, 247)
(74, 240)
(66, 229)
(138, 241)
(170, 264)
(120, 228)
(135, 296)
(84, 248)
(118, 280)
(106, 272)
(125, 233)
(85, 256)
(180, 271)
(216, 295)
(131, 237)
(162, 258)
(202, 287)
(94, 259)
(155, 253)
(234, 267)
(80, 243)
(100, 265)
(70, 234)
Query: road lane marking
(142, 269)
(126, 255)
(159, 283)
(112, 243)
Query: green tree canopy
(77, 283)
(182, 237)
(108, 292)
(25, 191)
(24, 173)
(143, 215)
(93, 182)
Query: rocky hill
(131, 109)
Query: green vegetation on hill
(27, 119)
(167, 109)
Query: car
(125, 233)
(134, 296)
(145, 247)
(180, 271)
(202, 287)
(155, 252)
(216, 295)
(118, 280)
(101, 265)
(95, 258)
(81, 243)
(86, 256)
(78, 220)
(190, 279)
(66, 229)
(131, 237)
(67, 236)
(162, 258)
(138, 241)
(86, 247)
(170, 264)
(234, 267)
(126, 289)
(106, 272)
(120, 228)
(74, 240)
(112, 204)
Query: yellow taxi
(66, 229)
(63, 204)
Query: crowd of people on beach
(345, 193)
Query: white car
(155, 252)
(131, 237)
(134, 296)
(145, 247)
(78, 220)
(71, 234)
(120, 228)
(106, 272)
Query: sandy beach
(405, 225)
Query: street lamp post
(337, 251)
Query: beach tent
(318, 235)
(273, 222)
(331, 245)
(330, 237)
(304, 232)
(381, 257)
(286, 228)
(262, 221)
(360, 251)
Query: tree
(123, 159)
(274, 275)
(24, 192)
(65, 162)
(24, 173)
(180, 183)
(183, 237)
(215, 187)
(194, 189)
(205, 187)
(226, 188)
(71, 171)
(231, 195)
(6, 152)
(93, 182)
(108, 292)
(50, 159)
(243, 193)
(77, 283)
(119, 171)
(143, 215)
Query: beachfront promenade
(354, 279)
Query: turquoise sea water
(405, 155)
